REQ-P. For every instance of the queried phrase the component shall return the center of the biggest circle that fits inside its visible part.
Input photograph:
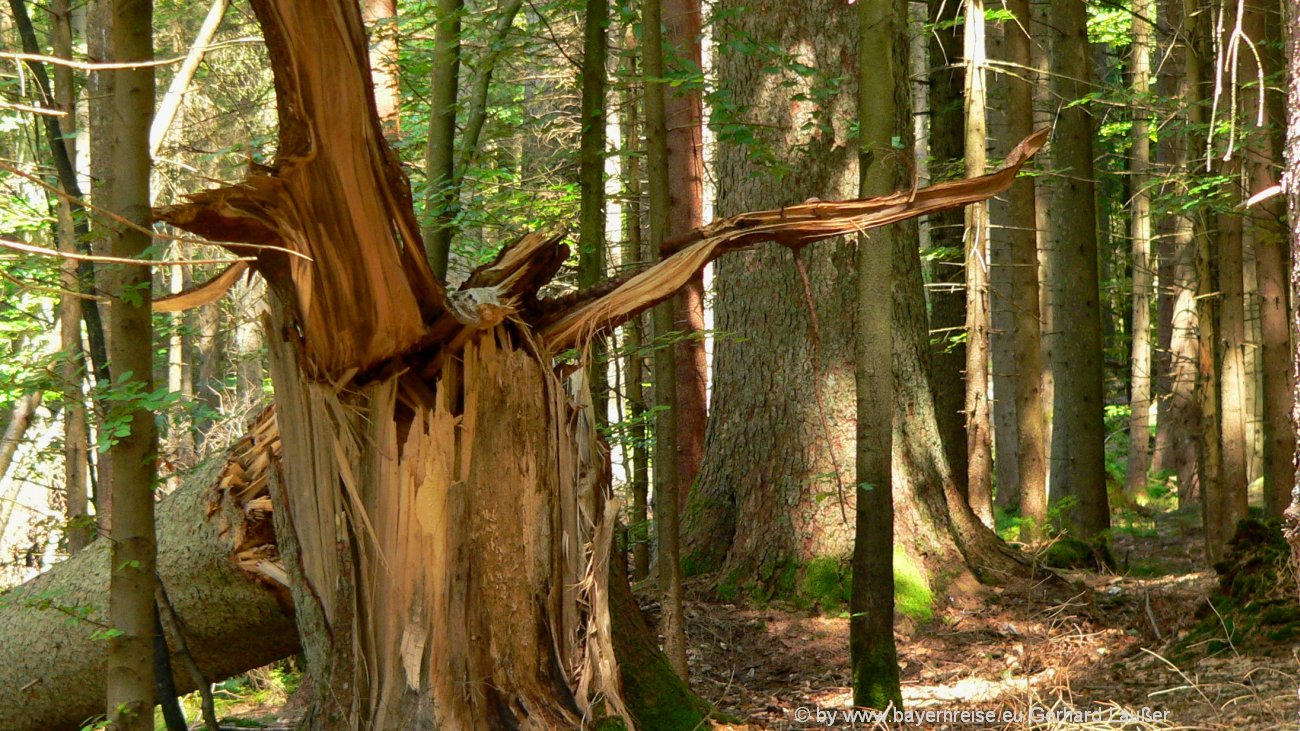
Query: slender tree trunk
(685, 140)
(591, 181)
(134, 457)
(979, 422)
(947, 294)
(439, 168)
(1003, 367)
(1078, 431)
(634, 250)
(1263, 25)
(884, 113)
(1139, 452)
(667, 484)
(72, 373)
(1031, 447)
(62, 159)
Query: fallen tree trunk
(219, 563)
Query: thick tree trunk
(779, 450)
(768, 500)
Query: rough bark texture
(1078, 432)
(757, 513)
(780, 438)
(683, 116)
(219, 565)
(1031, 425)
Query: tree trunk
(1292, 168)
(684, 115)
(134, 455)
(668, 484)
(779, 449)
(440, 155)
(72, 374)
(947, 294)
(884, 114)
(1139, 452)
(1031, 447)
(1263, 25)
(1178, 412)
(768, 501)
(979, 416)
(591, 182)
(1078, 432)
(1233, 380)
(634, 251)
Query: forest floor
(1122, 643)
(1136, 649)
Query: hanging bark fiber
(440, 532)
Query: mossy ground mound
(1254, 609)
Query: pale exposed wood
(206, 293)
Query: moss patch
(826, 583)
(1254, 607)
